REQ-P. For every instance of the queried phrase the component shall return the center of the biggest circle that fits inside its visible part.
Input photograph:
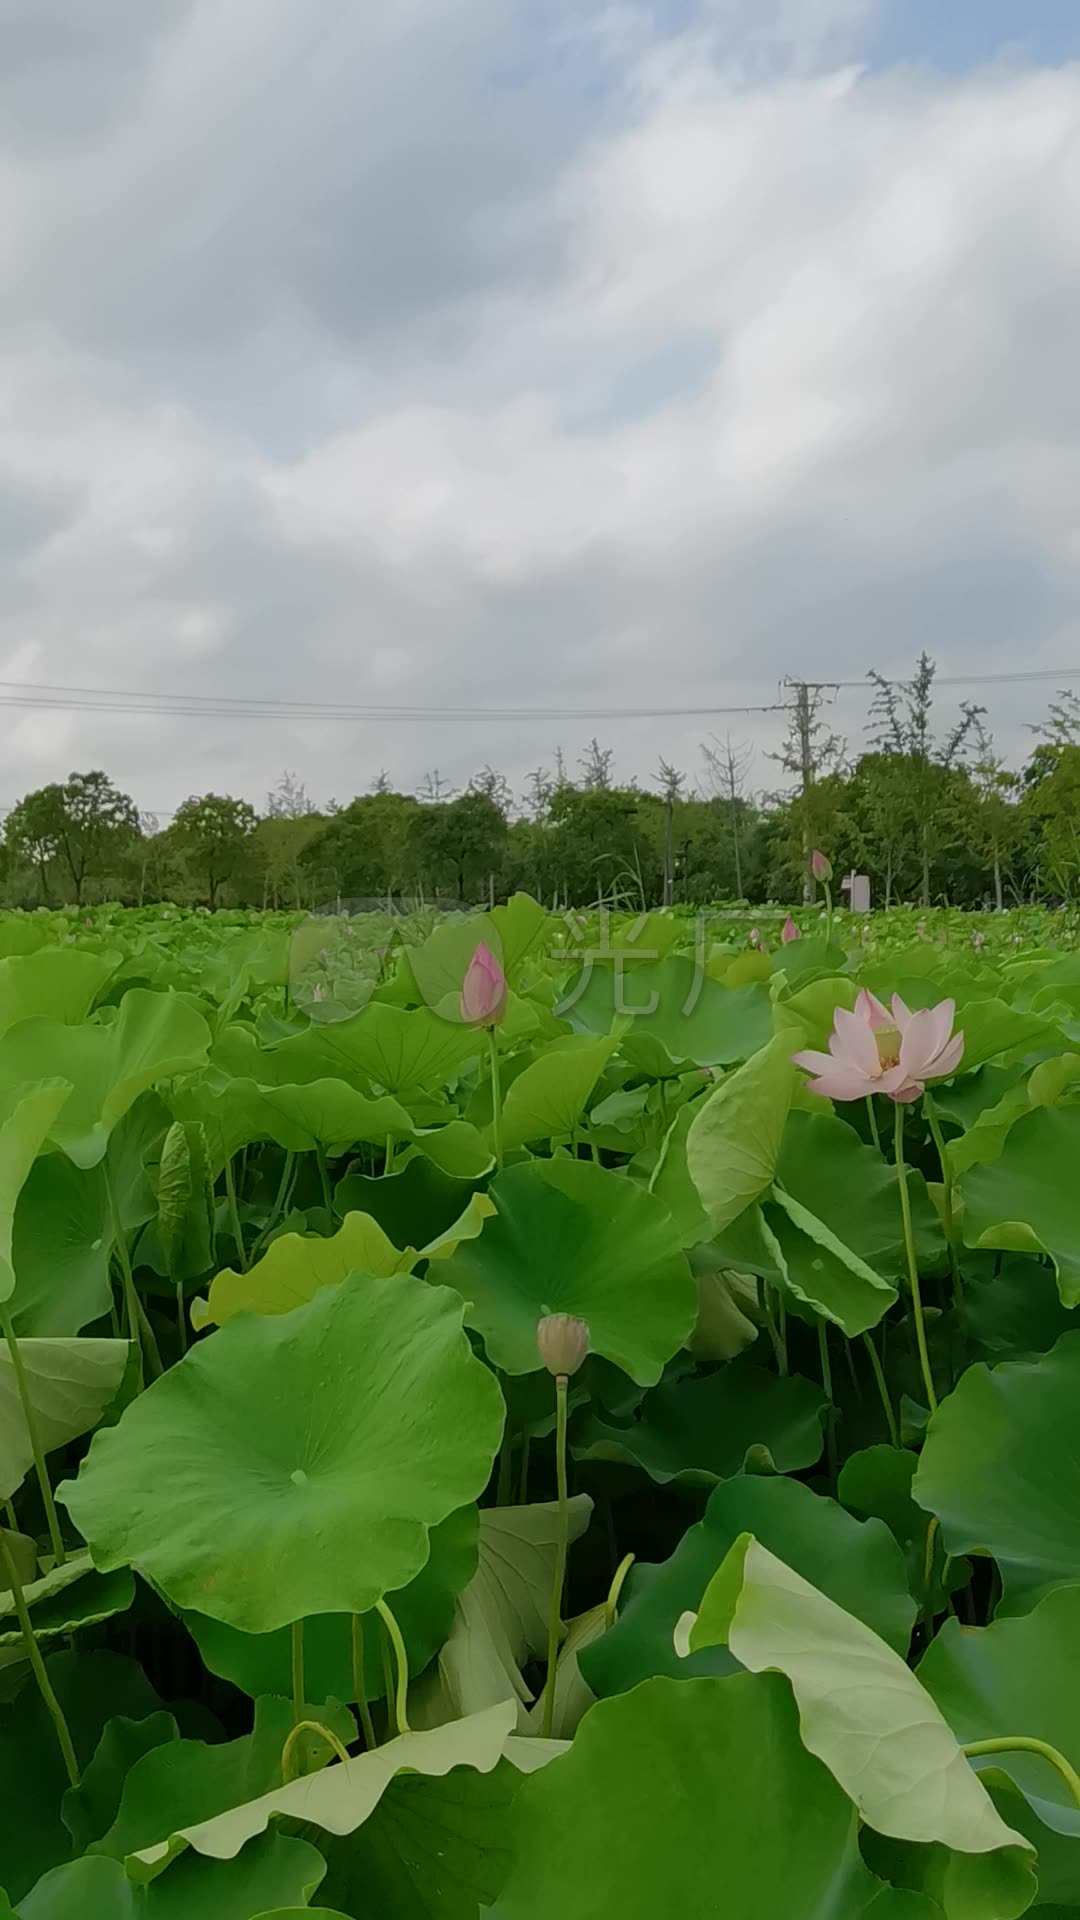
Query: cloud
(412, 354)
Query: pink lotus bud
(820, 866)
(483, 990)
(755, 937)
(789, 931)
(562, 1343)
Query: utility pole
(805, 754)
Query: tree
(459, 846)
(808, 752)
(596, 763)
(433, 788)
(362, 851)
(214, 831)
(495, 787)
(671, 785)
(288, 800)
(81, 825)
(900, 726)
(727, 767)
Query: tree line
(933, 817)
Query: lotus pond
(538, 1416)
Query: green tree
(457, 846)
(901, 727)
(82, 825)
(213, 832)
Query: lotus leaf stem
(562, 1541)
(950, 1223)
(288, 1770)
(401, 1697)
(883, 1391)
(324, 1177)
(280, 1198)
(298, 1670)
(872, 1114)
(360, 1682)
(139, 1328)
(496, 1097)
(33, 1653)
(1021, 1743)
(830, 1414)
(611, 1605)
(388, 1162)
(36, 1448)
(234, 1216)
(913, 1265)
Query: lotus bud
(483, 990)
(820, 866)
(562, 1343)
(754, 937)
(789, 931)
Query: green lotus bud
(562, 1343)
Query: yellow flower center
(888, 1047)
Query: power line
(120, 700)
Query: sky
(551, 357)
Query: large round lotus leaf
(261, 1663)
(694, 1798)
(153, 1036)
(91, 1688)
(713, 1426)
(1024, 1202)
(571, 1237)
(673, 1004)
(60, 983)
(295, 1465)
(1001, 1469)
(274, 1867)
(1020, 1677)
(857, 1563)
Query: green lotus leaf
(857, 1564)
(861, 1710)
(307, 1456)
(185, 1196)
(326, 1113)
(992, 1027)
(459, 1149)
(1019, 1677)
(501, 1617)
(671, 1182)
(64, 1230)
(468, 1226)
(342, 1796)
(1001, 1469)
(726, 1301)
(822, 1271)
(26, 1115)
(296, 1266)
(59, 984)
(573, 1695)
(876, 1484)
(274, 1867)
(570, 1237)
(673, 1005)
(153, 1036)
(91, 1689)
(90, 1809)
(733, 1146)
(402, 1052)
(1023, 1201)
(547, 1100)
(714, 1426)
(416, 1205)
(424, 1610)
(69, 1382)
(178, 1783)
(701, 1799)
(850, 1188)
(70, 1596)
(432, 1847)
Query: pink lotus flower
(789, 931)
(874, 1051)
(754, 937)
(820, 865)
(483, 990)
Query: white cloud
(385, 355)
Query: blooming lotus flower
(875, 1050)
(789, 931)
(820, 866)
(483, 990)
